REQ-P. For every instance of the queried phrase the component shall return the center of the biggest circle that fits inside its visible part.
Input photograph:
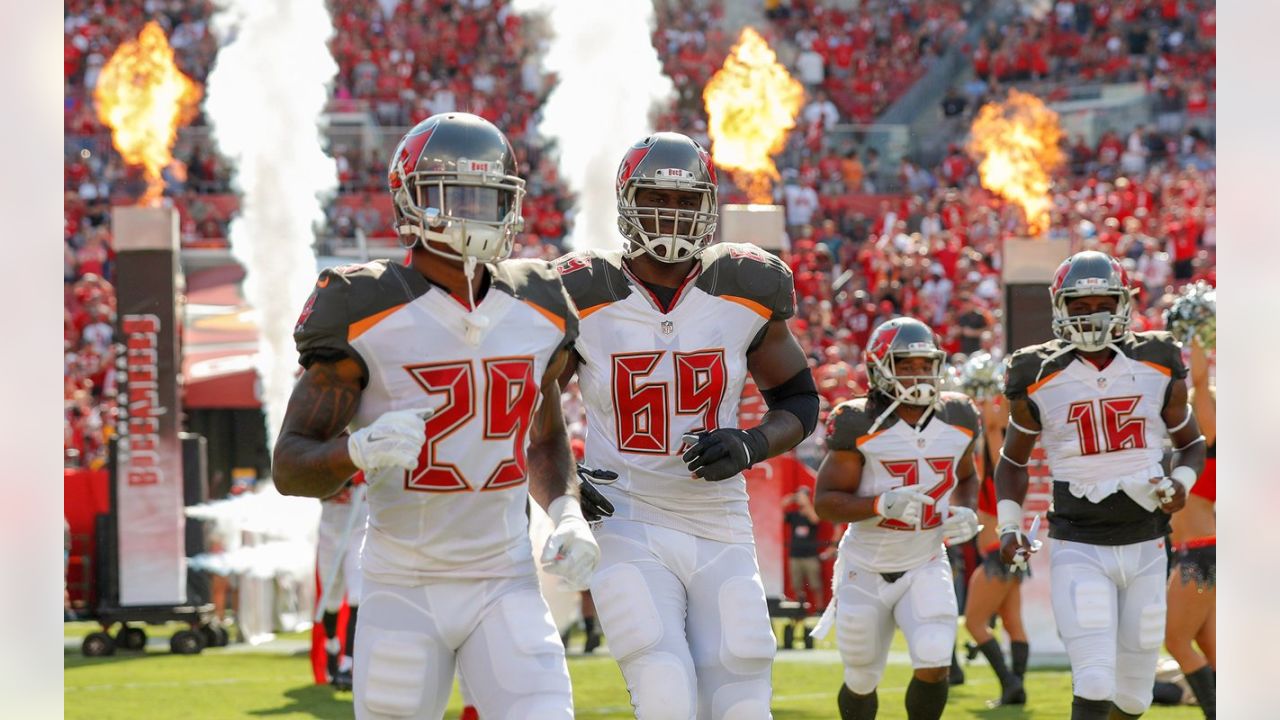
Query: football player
(672, 325)
(996, 588)
(1101, 399)
(447, 371)
(895, 458)
(1193, 583)
(338, 563)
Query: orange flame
(1016, 146)
(752, 102)
(143, 97)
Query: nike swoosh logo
(373, 439)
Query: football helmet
(454, 182)
(898, 339)
(1084, 274)
(668, 161)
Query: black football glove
(595, 506)
(721, 454)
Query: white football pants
(686, 619)
(1109, 604)
(498, 632)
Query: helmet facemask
(475, 214)
(1094, 331)
(926, 388)
(691, 230)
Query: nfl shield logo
(668, 327)
(1102, 382)
(920, 442)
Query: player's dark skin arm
(966, 492)
(310, 457)
(550, 461)
(1010, 479)
(776, 360)
(1191, 455)
(835, 495)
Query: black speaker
(195, 490)
(1028, 315)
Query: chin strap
(924, 419)
(476, 323)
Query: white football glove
(571, 551)
(960, 526)
(394, 440)
(901, 504)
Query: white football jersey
(1099, 426)
(649, 375)
(461, 512)
(897, 455)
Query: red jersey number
(642, 408)
(511, 393)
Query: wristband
(563, 507)
(1184, 475)
(1008, 517)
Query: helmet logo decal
(881, 343)
(634, 157)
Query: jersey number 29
(511, 393)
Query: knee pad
(1092, 603)
(660, 686)
(1132, 700)
(749, 709)
(742, 700)
(933, 644)
(747, 642)
(541, 707)
(1151, 626)
(857, 636)
(627, 611)
(861, 680)
(1094, 683)
(395, 674)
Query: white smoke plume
(262, 534)
(610, 79)
(265, 99)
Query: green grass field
(240, 682)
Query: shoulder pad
(746, 272)
(592, 278)
(343, 296)
(1026, 366)
(847, 422)
(958, 409)
(537, 283)
(1157, 348)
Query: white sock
(332, 646)
(344, 663)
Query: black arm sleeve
(798, 396)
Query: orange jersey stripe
(360, 327)
(555, 319)
(867, 438)
(751, 305)
(1042, 381)
(584, 312)
(1159, 368)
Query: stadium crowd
(860, 254)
